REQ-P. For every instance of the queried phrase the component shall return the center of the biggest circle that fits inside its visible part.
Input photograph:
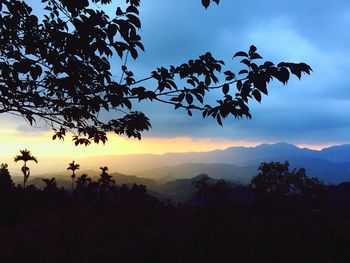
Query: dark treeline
(282, 216)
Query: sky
(312, 112)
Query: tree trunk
(24, 175)
(73, 180)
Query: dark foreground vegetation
(283, 216)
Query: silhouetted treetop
(6, 182)
(58, 68)
(50, 185)
(276, 180)
(25, 157)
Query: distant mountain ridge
(331, 165)
(235, 163)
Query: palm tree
(105, 182)
(50, 185)
(82, 183)
(73, 166)
(25, 156)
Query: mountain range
(236, 164)
(332, 165)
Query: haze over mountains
(237, 164)
(331, 165)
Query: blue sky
(311, 111)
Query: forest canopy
(57, 68)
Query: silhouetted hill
(327, 171)
(217, 170)
(183, 190)
(337, 154)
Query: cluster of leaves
(59, 69)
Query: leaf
(36, 72)
(207, 80)
(128, 104)
(257, 95)
(268, 64)
(255, 56)
(240, 54)
(283, 75)
(199, 97)
(252, 49)
(225, 88)
(305, 68)
(218, 119)
(206, 3)
(239, 85)
(134, 20)
(246, 89)
(296, 71)
(119, 12)
(246, 62)
(189, 98)
(132, 9)
(261, 86)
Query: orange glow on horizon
(41, 144)
(317, 147)
(12, 141)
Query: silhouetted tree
(217, 193)
(202, 186)
(57, 67)
(276, 181)
(105, 182)
(50, 185)
(6, 183)
(73, 167)
(25, 156)
(82, 183)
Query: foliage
(82, 183)
(105, 182)
(73, 167)
(59, 69)
(25, 156)
(276, 181)
(50, 185)
(6, 182)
